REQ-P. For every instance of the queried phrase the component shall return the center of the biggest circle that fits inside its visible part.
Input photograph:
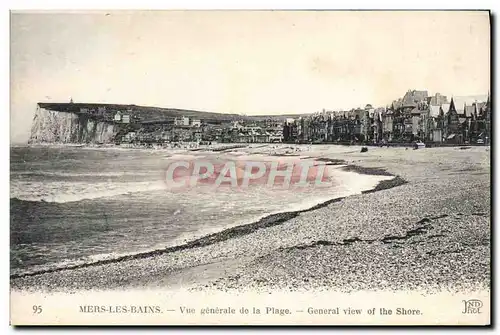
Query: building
(437, 100)
(453, 131)
(365, 116)
(181, 121)
(129, 137)
(387, 125)
(415, 122)
(290, 129)
(276, 137)
(437, 135)
(197, 136)
(487, 118)
(101, 110)
(272, 123)
(378, 124)
(415, 116)
(413, 97)
(182, 134)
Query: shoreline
(430, 234)
(266, 221)
(189, 146)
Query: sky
(254, 62)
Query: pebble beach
(427, 230)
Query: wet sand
(431, 232)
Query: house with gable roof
(453, 126)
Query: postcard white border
(183, 4)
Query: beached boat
(418, 145)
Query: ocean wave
(81, 174)
(63, 192)
(176, 156)
(353, 184)
(66, 264)
(205, 235)
(185, 241)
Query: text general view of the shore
(388, 190)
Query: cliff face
(50, 126)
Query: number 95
(37, 309)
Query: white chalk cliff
(50, 126)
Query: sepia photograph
(250, 167)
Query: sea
(74, 205)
